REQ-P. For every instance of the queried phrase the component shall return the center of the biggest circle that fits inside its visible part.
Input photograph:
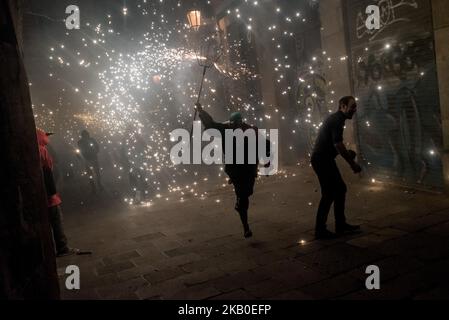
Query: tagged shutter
(394, 77)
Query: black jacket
(234, 169)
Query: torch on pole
(207, 57)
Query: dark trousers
(333, 190)
(243, 187)
(55, 217)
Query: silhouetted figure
(53, 198)
(89, 149)
(242, 176)
(328, 145)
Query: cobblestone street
(195, 249)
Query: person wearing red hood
(53, 198)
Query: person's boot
(324, 234)
(71, 251)
(346, 228)
(247, 233)
(244, 218)
(67, 251)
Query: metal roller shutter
(394, 78)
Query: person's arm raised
(207, 119)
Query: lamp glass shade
(194, 18)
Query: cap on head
(236, 117)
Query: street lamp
(194, 18)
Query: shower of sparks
(133, 92)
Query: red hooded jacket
(53, 198)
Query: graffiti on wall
(399, 120)
(399, 60)
(394, 78)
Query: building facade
(398, 73)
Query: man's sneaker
(346, 228)
(324, 234)
(248, 234)
(67, 252)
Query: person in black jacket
(242, 176)
(328, 145)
